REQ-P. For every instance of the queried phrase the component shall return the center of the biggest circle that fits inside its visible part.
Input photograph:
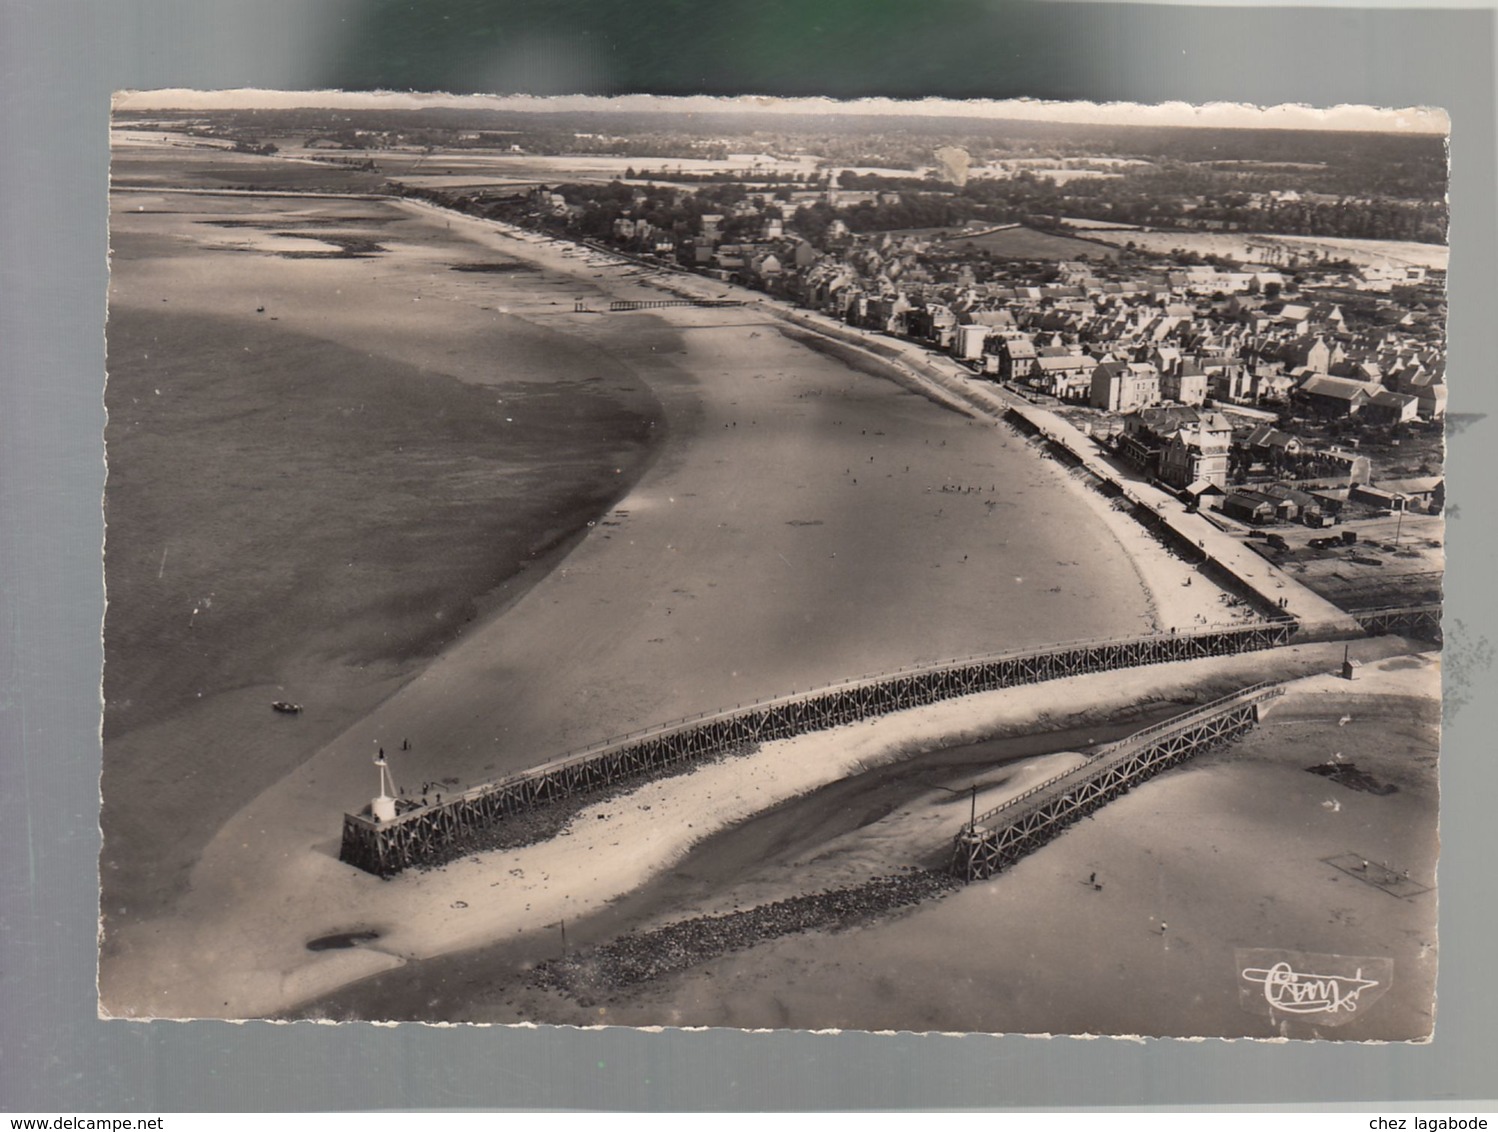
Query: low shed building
(1248, 507)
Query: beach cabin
(1202, 491)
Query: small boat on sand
(286, 708)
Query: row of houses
(1055, 343)
(1193, 451)
(1229, 327)
(1320, 507)
(1090, 334)
(1236, 369)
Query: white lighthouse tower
(382, 807)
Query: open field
(1083, 224)
(1397, 560)
(571, 167)
(213, 167)
(1013, 243)
(1027, 243)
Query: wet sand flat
(302, 508)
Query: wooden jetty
(431, 834)
(995, 840)
(655, 304)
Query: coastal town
(1282, 397)
(712, 568)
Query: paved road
(1269, 582)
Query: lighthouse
(382, 807)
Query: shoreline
(992, 401)
(288, 824)
(887, 357)
(1167, 573)
(901, 359)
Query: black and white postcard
(928, 566)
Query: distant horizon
(1428, 121)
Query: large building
(1065, 377)
(1016, 356)
(1183, 446)
(1186, 384)
(1198, 453)
(968, 341)
(1334, 396)
(1121, 387)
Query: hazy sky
(1428, 121)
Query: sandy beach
(788, 521)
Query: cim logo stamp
(1327, 990)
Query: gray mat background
(59, 62)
